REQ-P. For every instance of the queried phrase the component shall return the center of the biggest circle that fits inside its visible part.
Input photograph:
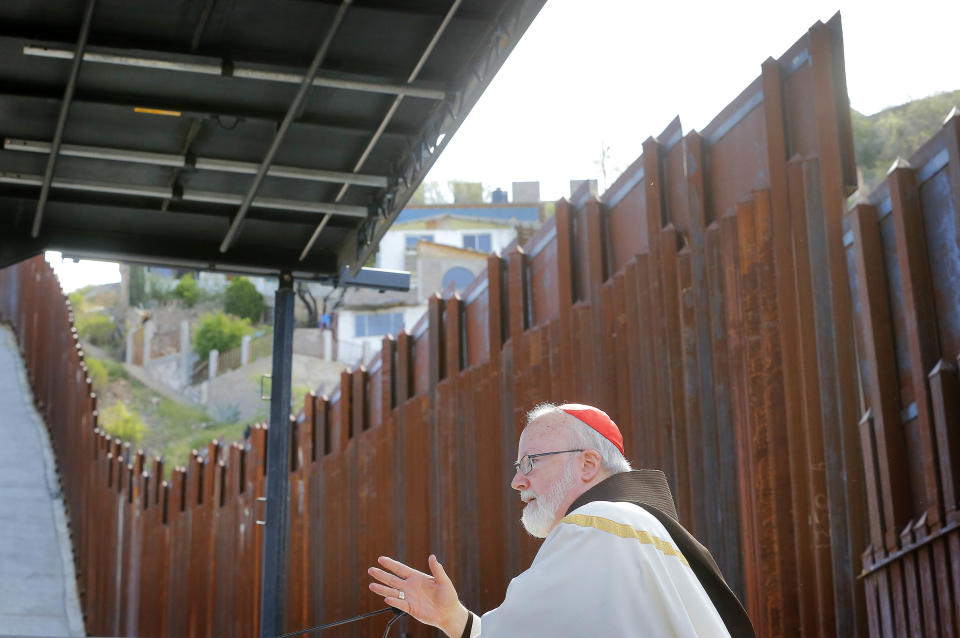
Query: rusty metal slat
(945, 400)
(649, 338)
(761, 456)
(809, 377)
(816, 614)
(831, 369)
(873, 616)
(912, 586)
(926, 574)
(773, 407)
(921, 324)
(694, 157)
(944, 598)
(691, 452)
(883, 386)
(729, 537)
(565, 295)
(653, 197)
(593, 263)
(837, 179)
(673, 431)
(465, 420)
(953, 545)
(623, 353)
(637, 353)
(951, 129)
(351, 571)
(735, 320)
(871, 471)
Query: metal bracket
(262, 377)
(260, 499)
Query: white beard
(540, 516)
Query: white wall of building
(346, 324)
(393, 246)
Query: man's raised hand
(431, 599)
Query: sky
(590, 75)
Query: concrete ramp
(38, 595)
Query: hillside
(897, 131)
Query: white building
(442, 246)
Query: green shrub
(78, 301)
(115, 369)
(97, 372)
(97, 329)
(219, 332)
(159, 290)
(187, 290)
(243, 300)
(122, 423)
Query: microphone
(397, 615)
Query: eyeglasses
(525, 464)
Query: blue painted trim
(848, 239)
(476, 292)
(546, 239)
(423, 325)
(624, 190)
(673, 140)
(886, 207)
(583, 199)
(798, 61)
(738, 115)
(929, 169)
(909, 413)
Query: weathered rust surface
(716, 301)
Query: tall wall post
(148, 330)
(278, 464)
(213, 362)
(185, 353)
(128, 357)
(245, 350)
(328, 344)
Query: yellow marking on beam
(140, 109)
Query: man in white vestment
(614, 560)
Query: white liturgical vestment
(607, 569)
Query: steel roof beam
(62, 118)
(207, 66)
(292, 112)
(189, 195)
(408, 8)
(386, 119)
(220, 113)
(201, 163)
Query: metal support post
(278, 465)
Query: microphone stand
(337, 623)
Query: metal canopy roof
(236, 135)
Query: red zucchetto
(596, 419)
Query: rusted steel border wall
(903, 247)
(704, 301)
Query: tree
(219, 332)
(243, 300)
(467, 192)
(138, 285)
(896, 132)
(187, 290)
(97, 329)
(303, 291)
